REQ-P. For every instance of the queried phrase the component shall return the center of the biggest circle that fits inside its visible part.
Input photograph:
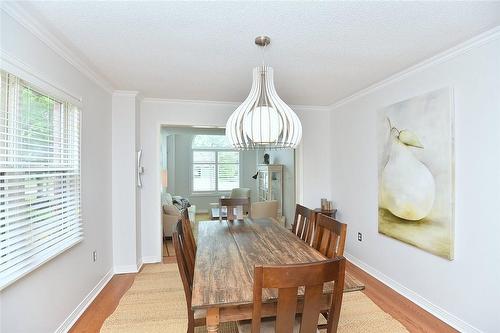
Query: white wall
(155, 113)
(42, 300)
(125, 195)
(315, 152)
(467, 287)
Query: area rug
(156, 303)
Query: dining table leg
(213, 320)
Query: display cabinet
(270, 184)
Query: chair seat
(267, 325)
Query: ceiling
(321, 51)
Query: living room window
(216, 165)
(39, 177)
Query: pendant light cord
(263, 54)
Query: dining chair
(231, 204)
(186, 269)
(264, 209)
(329, 239)
(287, 279)
(329, 236)
(188, 231)
(240, 192)
(304, 223)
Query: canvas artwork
(416, 172)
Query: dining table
(227, 252)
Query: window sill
(210, 194)
(57, 250)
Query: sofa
(171, 207)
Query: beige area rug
(156, 303)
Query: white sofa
(171, 213)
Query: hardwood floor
(413, 317)
(104, 304)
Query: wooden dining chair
(231, 204)
(329, 239)
(329, 236)
(186, 269)
(287, 279)
(188, 232)
(304, 223)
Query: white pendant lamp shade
(263, 120)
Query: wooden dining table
(227, 252)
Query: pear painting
(416, 172)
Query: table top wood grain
(227, 253)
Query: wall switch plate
(360, 237)
(94, 256)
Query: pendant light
(263, 120)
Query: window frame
(67, 102)
(216, 163)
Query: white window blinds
(39, 178)
(216, 168)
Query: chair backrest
(188, 232)
(264, 209)
(188, 259)
(287, 279)
(240, 192)
(304, 223)
(329, 236)
(231, 204)
(183, 264)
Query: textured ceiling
(320, 51)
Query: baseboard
(125, 269)
(78, 311)
(151, 259)
(425, 304)
(139, 265)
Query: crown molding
(188, 101)
(133, 93)
(19, 14)
(451, 53)
(223, 103)
(27, 73)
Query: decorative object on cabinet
(266, 159)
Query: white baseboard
(139, 265)
(425, 304)
(151, 259)
(125, 269)
(78, 311)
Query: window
(216, 167)
(39, 178)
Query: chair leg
(165, 241)
(190, 326)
